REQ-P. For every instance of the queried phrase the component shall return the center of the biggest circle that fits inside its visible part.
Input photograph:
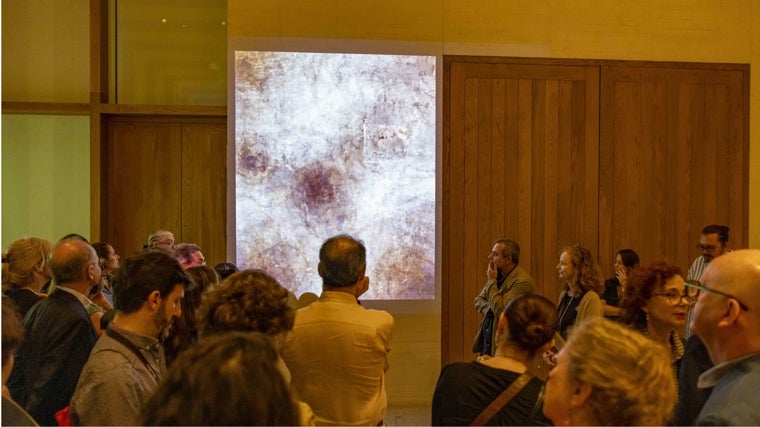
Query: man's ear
(154, 300)
(732, 314)
(91, 272)
(362, 286)
(319, 269)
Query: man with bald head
(727, 320)
(59, 335)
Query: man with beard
(127, 362)
(713, 243)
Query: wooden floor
(408, 416)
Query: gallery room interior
(256, 129)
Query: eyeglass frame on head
(694, 286)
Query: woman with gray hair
(610, 375)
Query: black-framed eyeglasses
(708, 248)
(693, 287)
(673, 298)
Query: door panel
(144, 178)
(166, 173)
(204, 188)
(551, 152)
(675, 152)
(516, 138)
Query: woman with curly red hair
(655, 302)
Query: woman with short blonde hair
(608, 374)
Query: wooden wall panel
(166, 173)
(514, 142)
(610, 154)
(204, 188)
(144, 171)
(674, 156)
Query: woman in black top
(625, 260)
(464, 390)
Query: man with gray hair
(337, 352)
(59, 336)
(506, 280)
(161, 239)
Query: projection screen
(336, 143)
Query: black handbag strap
(501, 400)
(133, 348)
(538, 405)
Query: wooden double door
(166, 173)
(609, 154)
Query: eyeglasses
(674, 298)
(708, 248)
(694, 286)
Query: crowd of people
(159, 338)
(648, 346)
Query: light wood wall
(166, 173)
(523, 159)
(520, 160)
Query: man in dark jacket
(59, 335)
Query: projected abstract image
(336, 143)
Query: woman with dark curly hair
(655, 302)
(582, 280)
(249, 300)
(252, 300)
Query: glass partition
(46, 176)
(171, 52)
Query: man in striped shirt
(713, 243)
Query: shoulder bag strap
(501, 400)
(133, 348)
(538, 405)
